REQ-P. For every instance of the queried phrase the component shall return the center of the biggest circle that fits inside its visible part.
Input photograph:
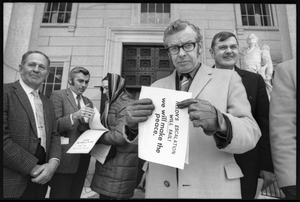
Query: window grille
(155, 13)
(57, 13)
(257, 15)
(54, 80)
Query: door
(144, 64)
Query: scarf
(116, 86)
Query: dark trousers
(69, 186)
(104, 197)
(35, 190)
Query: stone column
(17, 42)
(287, 28)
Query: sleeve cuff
(223, 138)
(72, 122)
(56, 159)
(130, 135)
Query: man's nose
(36, 68)
(228, 50)
(181, 52)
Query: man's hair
(222, 36)
(24, 57)
(77, 70)
(179, 25)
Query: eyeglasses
(186, 47)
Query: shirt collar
(192, 73)
(75, 95)
(26, 88)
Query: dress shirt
(30, 96)
(81, 104)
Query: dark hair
(222, 36)
(179, 25)
(24, 57)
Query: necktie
(78, 101)
(79, 107)
(185, 82)
(40, 118)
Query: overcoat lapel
(202, 77)
(241, 73)
(23, 98)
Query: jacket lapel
(24, 100)
(71, 99)
(202, 77)
(240, 72)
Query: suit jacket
(20, 138)
(65, 105)
(260, 157)
(211, 172)
(283, 123)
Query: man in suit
(72, 113)
(31, 144)
(258, 161)
(221, 123)
(283, 127)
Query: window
(57, 13)
(54, 79)
(155, 13)
(257, 15)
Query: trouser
(69, 186)
(35, 190)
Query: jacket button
(166, 183)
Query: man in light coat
(221, 123)
(283, 127)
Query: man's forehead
(183, 36)
(230, 39)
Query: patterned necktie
(40, 118)
(185, 82)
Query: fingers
(145, 101)
(87, 112)
(186, 103)
(140, 113)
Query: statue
(258, 60)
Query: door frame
(116, 37)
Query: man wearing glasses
(221, 123)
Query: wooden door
(144, 64)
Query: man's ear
(20, 68)
(169, 55)
(211, 52)
(70, 81)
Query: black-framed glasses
(187, 47)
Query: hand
(268, 177)
(84, 112)
(138, 111)
(43, 173)
(202, 114)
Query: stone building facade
(110, 37)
